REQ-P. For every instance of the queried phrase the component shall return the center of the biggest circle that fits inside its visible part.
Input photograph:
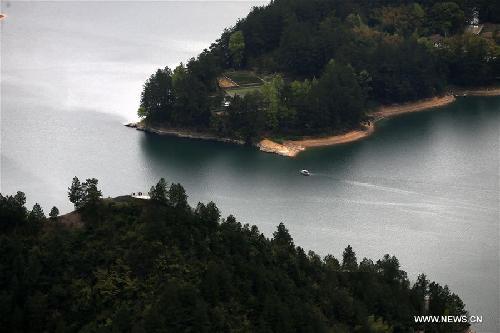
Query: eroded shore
(291, 148)
(489, 91)
(182, 133)
(398, 109)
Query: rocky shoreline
(182, 133)
(291, 148)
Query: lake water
(425, 187)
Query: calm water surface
(425, 187)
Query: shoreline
(486, 91)
(182, 133)
(291, 148)
(389, 111)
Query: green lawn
(242, 91)
(243, 77)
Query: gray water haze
(424, 187)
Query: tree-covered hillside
(134, 265)
(324, 63)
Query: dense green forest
(325, 63)
(159, 265)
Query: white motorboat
(305, 172)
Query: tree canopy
(136, 265)
(325, 64)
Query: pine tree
(54, 213)
(282, 235)
(20, 198)
(158, 192)
(36, 213)
(75, 193)
(177, 195)
(91, 194)
(349, 261)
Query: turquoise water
(424, 187)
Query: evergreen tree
(389, 266)
(157, 98)
(339, 98)
(12, 211)
(76, 193)
(158, 193)
(177, 196)
(237, 48)
(143, 266)
(367, 265)
(282, 236)
(297, 40)
(331, 262)
(20, 198)
(349, 261)
(447, 18)
(420, 292)
(54, 213)
(36, 213)
(92, 194)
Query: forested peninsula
(313, 68)
(130, 264)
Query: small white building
(140, 195)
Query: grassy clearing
(242, 91)
(243, 77)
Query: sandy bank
(269, 146)
(425, 104)
(335, 139)
(291, 148)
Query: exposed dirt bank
(426, 104)
(291, 148)
(270, 146)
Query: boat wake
(398, 190)
(380, 187)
